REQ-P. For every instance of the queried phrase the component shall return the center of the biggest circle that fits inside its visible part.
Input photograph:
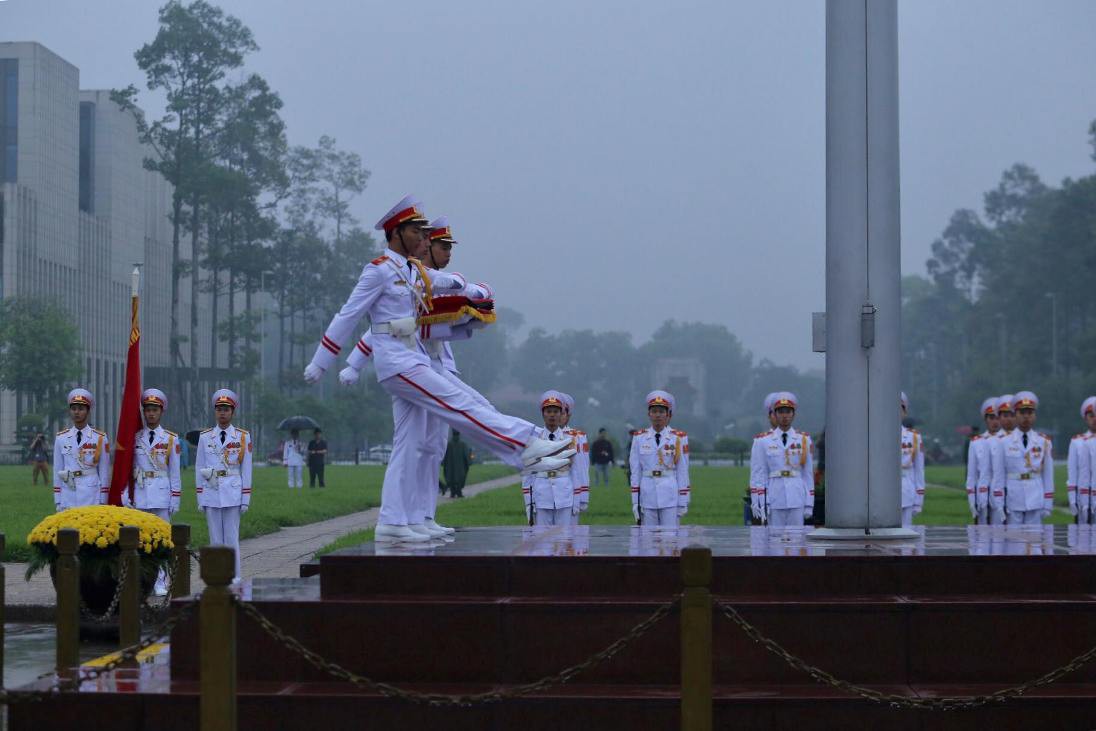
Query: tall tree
(39, 349)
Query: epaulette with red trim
(207, 430)
(637, 432)
(63, 431)
(100, 433)
(1045, 436)
(171, 433)
(380, 260)
(679, 433)
(1086, 435)
(576, 432)
(763, 434)
(975, 437)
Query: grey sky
(613, 164)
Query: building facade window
(87, 157)
(9, 119)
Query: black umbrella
(298, 423)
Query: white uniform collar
(396, 257)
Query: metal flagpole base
(860, 534)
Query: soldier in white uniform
(580, 463)
(913, 470)
(1007, 418)
(1079, 465)
(782, 476)
(223, 474)
(436, 342)
(157, 488)
(978, 464)
(293, 459)
(392, 290)
(552, 496)
(81, 458)
(659, 462)
(1024, 466)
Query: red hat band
(551, 402)
(784, 402)
(407, 214)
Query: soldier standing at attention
(1079, 465)
(580, 463)
(223, 467)
(1024, 466)
(157, 488)
(659, 460)
(913, 469)
(552, 496)
(997, 493)
(81, 458)
(978, 464)
(784, 474)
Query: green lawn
(273, 505)
(717, 500)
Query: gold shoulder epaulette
(1045, 436)
(100, 433)
(64, 431)
(762, 434)
(380, 260)
(242, 431)
(170, 433)
(207, 430)
(679, 433)
(637, 432)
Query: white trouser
(996, 516)
(504, 436)
(1025, 517)
(295, 479)
(553, 516)
(907, 517)
(781, 517)
(224, 529)
(161, 513)
(660, 517)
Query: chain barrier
(943, 703)
(106, 616)
(444, 700)
(63, 684)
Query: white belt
(784, 473)
(152, 475)
(658, 473)
(552, 473)
(381, 328)
(403, 329)
(1022, 475)
(226, 473)
(907, 467)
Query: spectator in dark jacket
(601, 455)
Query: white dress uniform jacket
(88, 464)
(660, 469)
(580, 465)
(556, 489)
(783, 473)
(978, 472)
(230, 460)
(913, 469)
(293, 453)
(1026, 474)
(386, 291)
(1079, 473)
(156, 483)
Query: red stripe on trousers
(509, 442)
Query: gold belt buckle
(552, 473)
(785, 473)
(656, 473)
(1025, 475)
(78, 473)
(222, 473)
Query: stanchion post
(68, 602)
(696, 639)
(180, 582)
(217, 662)
(129, 603)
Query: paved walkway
(275, 555)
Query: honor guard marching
(81, 458)
(223, 474)
(659, 462)
(1079, 465)
(978, 464)
(997, 492)
(782, 475)
(157, 488)
(393, 290)
(913, 469)
(580, 463)
(758, 508)
(1024, 466)
(552, 497)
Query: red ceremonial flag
(130, 420)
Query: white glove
(312, 373)
(201, 509)
(243, 508)
(635, 511)
(974, 512)
(575, 508)
(206, 473)
(681, 510)
(529, 513)
(349, 376)
(755, 505)
(1046, 512)
(808, 511)
(64, 476)
(1072, 509)
(917, 509)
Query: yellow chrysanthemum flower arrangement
(100, 527)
